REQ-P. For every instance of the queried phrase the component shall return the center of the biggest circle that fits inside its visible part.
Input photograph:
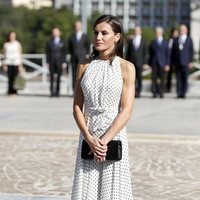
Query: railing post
(44, 70)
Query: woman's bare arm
(95, 144)
(127, 99)
(78, 103)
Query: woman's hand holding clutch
(98, 148)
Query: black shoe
(137, 95)
(57, 94)
(154, 96)
(161, 96)
(181, 97)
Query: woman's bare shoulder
(127, 67)
(85, 61)
(83, 65)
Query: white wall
(34, 4)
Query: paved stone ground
(30, 197)
(162, 167)
(37, 151)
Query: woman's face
(104, 37)
(12, 36)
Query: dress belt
(101, 110)
(101, 118)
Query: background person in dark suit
(182, 55)
(136, 53)
(56, 60)
(79, 47)
(159, 61)
(173, 36)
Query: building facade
(146, 13)
(32, 4)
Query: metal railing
(195, 74)
(36, 69)
(37, 75)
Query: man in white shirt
(56, 60)
(79, 48)
(182, 38)
(182, 56)
(137, 37)
(136, 53)
(159, 62)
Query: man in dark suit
(159, 61)
(136, 53)
(56, 60)
(78, 47)
(174, 34)
(182, 55)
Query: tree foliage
(33, 27)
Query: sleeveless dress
(110, 180)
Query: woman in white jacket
(12, 60)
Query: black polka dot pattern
(102, 88)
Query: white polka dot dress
(102, 87)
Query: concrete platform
(54, 115)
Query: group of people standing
(164, 57)
(78, 46)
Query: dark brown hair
(8, 35)
(117, 28)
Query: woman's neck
(104, 55)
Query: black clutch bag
(114, 151)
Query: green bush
(33, 27)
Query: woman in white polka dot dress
(103, 102)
